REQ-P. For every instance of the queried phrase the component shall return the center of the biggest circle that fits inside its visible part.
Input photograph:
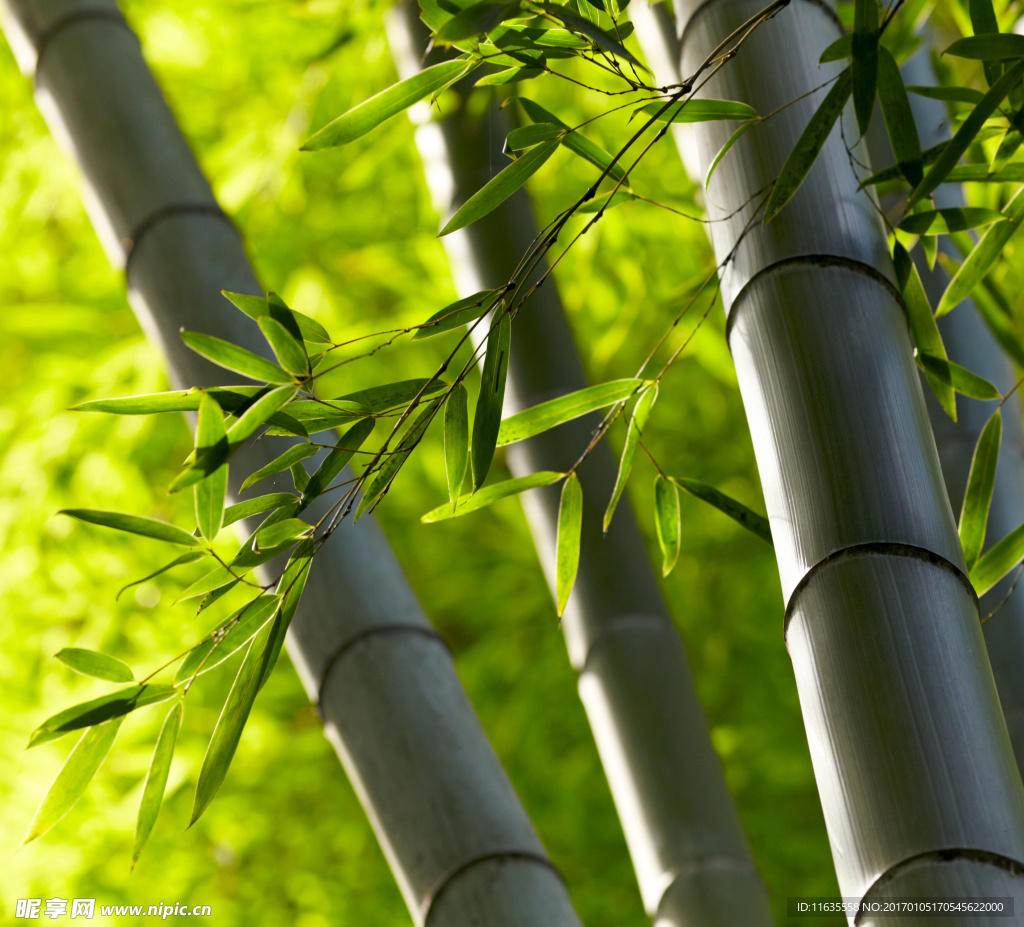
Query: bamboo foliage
(882, 624)
(451, 826)
(688, 850)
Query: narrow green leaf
(233, 716)
(211, 491)
(280, 464)
(459, 313)
(634, 433)
(592, 32)
(948, 94)
(392, 463)
(156, 780)
(980, 483)
(998, 47)
(228, 636)
(191, 557)
(98, 710)
(528, 136)
(456, 440)
(487, 418)
(390, 396)
(983, 21)
(606, 201)
(300, 477)
(230, 356)
(899, 118)
(865, 60)
(966, 133)
(134, 524)
(998, 560)
(290, 353)
(689, 111)
(491, 494)
(256, 505)
(978, 263)
(577, 143)
(299, 325)
(253, 306)
(512, 36)
(74, 776)
(180, 400)
(951, 219)
(924, 330)
(368, 115)
(894, 172)
(747, 518)
(841, 48)
(963, 380)
(808, 146)
(509, 76)
(290, 588)
(667, 522)
(282, 532)
(97, 665)
(547, 415)
(475, 20)
(334, 462)
(567, 546)
(500, 187)
(724, 150)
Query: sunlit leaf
(97, 665)
(491, 494)
(950, 219)
(487, 418)
(290, 353)
(634, 433)
(135, 524)
(156, 780)
(567, 545)
(689, 111)
(232, 357)
(746, 517)
(459, 313)
(998, 560)
(999, 47)
(963, 380)
(474, 20)
(281, 532)
(290, 588)
(74, 776)
(280, 464)
(528, 136)
(980, 484)
(576, 142)
(724, 150)
(368, 115)
(509, 76)
(335, 461)
(256, 505)
(456, 440)
(228, 636)
(500, 187)
(592, 32)
(98, 710)
(211, 491)
(191, 557)
(667, 522)
(808, 146)
(606, 201)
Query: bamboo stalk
(914, 766)
(457, 838)
(688, 849)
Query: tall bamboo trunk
(688, 849)
(451, 826)
(914, 766)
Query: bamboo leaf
(924, 330)
(491, 494)
(474, 20)
(390, 396)
(230, 356)
(808, 146)
(577, 143)
(281, 532)
(899, 118)
(456, 440)
(280, 464)
(191, 557)
(290, 588)
(97, 665)
(393, 462)
(97, 710)
(256, 505)
(513, 36)
(253, 306)
(487, 418)
(606, 201)
(634, 433)
(980, 484)
(334, 462)
(500, 187)
(978, 263)
(567, 546)
(508, 76)
(180, 400)
(528, 136)
(841, 48)
(966, 133)
(997, 47)
(865, 60)
(368, 115)
(156, 780)
(998, 560)
(724, 150)
(963, 380)
(690, 111)
(951, 219)
(228, 731)
(272, 306)
(228, 636)
(592, 32)
(459, 313)
(74, 776)
(135, 524)
(948, 94)
(747, 518)
(983, 21)
(290, 353)
(667, 522)
(547, 415)
(211, 491)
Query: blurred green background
(348, 237)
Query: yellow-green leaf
(456, 440)
(667, 522)
(487, 418)
(635, 432)
(97, 665)
(746, 517)
(232, 357)
(980, 484)
(491, 494)
(156, 779)
(135, 524)
(567, 546)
